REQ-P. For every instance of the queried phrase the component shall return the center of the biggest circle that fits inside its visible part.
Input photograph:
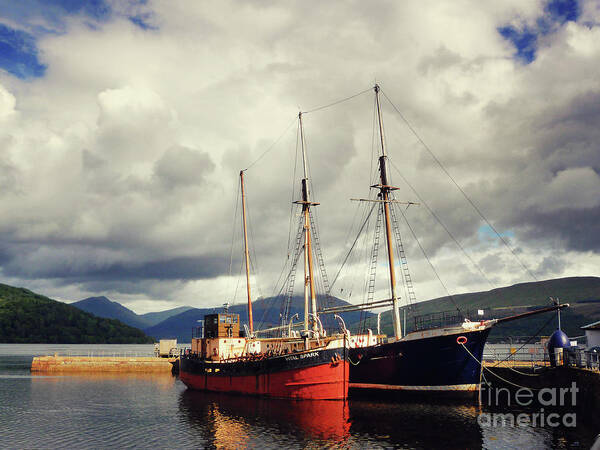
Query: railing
(579, 357)
(532, 355)
(536, 355)
(439, 319)
(104, 353)
(198, 332)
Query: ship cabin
(220, 338)
(222, 325)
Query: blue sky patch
(19, 54)
(487, 234)
(53, 12)
(38, 18)
(98, 10)
(556, 13)
(524, 41)
(562, 11)
(143, 21)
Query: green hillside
(26, 317)
(582, 293)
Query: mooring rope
(496, 375)
(352, 362)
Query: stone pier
(118, 364)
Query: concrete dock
(112, 364)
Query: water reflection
(157, 411)
(416, 425)
(230, 421)
(500, 428)
(163, 382)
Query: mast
(309, 286)
(384, 190)
(247, 255)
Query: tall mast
(247, 255)
(309, 286)
(384, 190)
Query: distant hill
(583, 294)
(154, 318)
(265, 312)
(104, 307)
(27, 317)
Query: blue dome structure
(558, 340)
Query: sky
(124, 125)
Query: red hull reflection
(237, 415)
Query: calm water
(159, 412)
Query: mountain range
(103, 307)
(265, 312)
(178, 322)
(29, 317)
(583, 294)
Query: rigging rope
(271, 146)
(337, 102)
(435, 216)
(239, 277)
(292, 190)
(352, 247)
(319, 108)
(233, 228)
(426, 147)
(430, 263)
(528, 340)
(483, 366)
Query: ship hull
(320, 374)
(436, 364)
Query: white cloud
(576, 188)
(7, 103)
(126, 153)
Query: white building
(592, 333)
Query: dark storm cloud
(60, 267)
(577, 229)
(549, 266)
(180, 268)
(181, 166)
(558, 183)
(571, 137)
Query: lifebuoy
(461, 340)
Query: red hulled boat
(277, 367)
(302, 365)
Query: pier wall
(587, 383)
(118, 364)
